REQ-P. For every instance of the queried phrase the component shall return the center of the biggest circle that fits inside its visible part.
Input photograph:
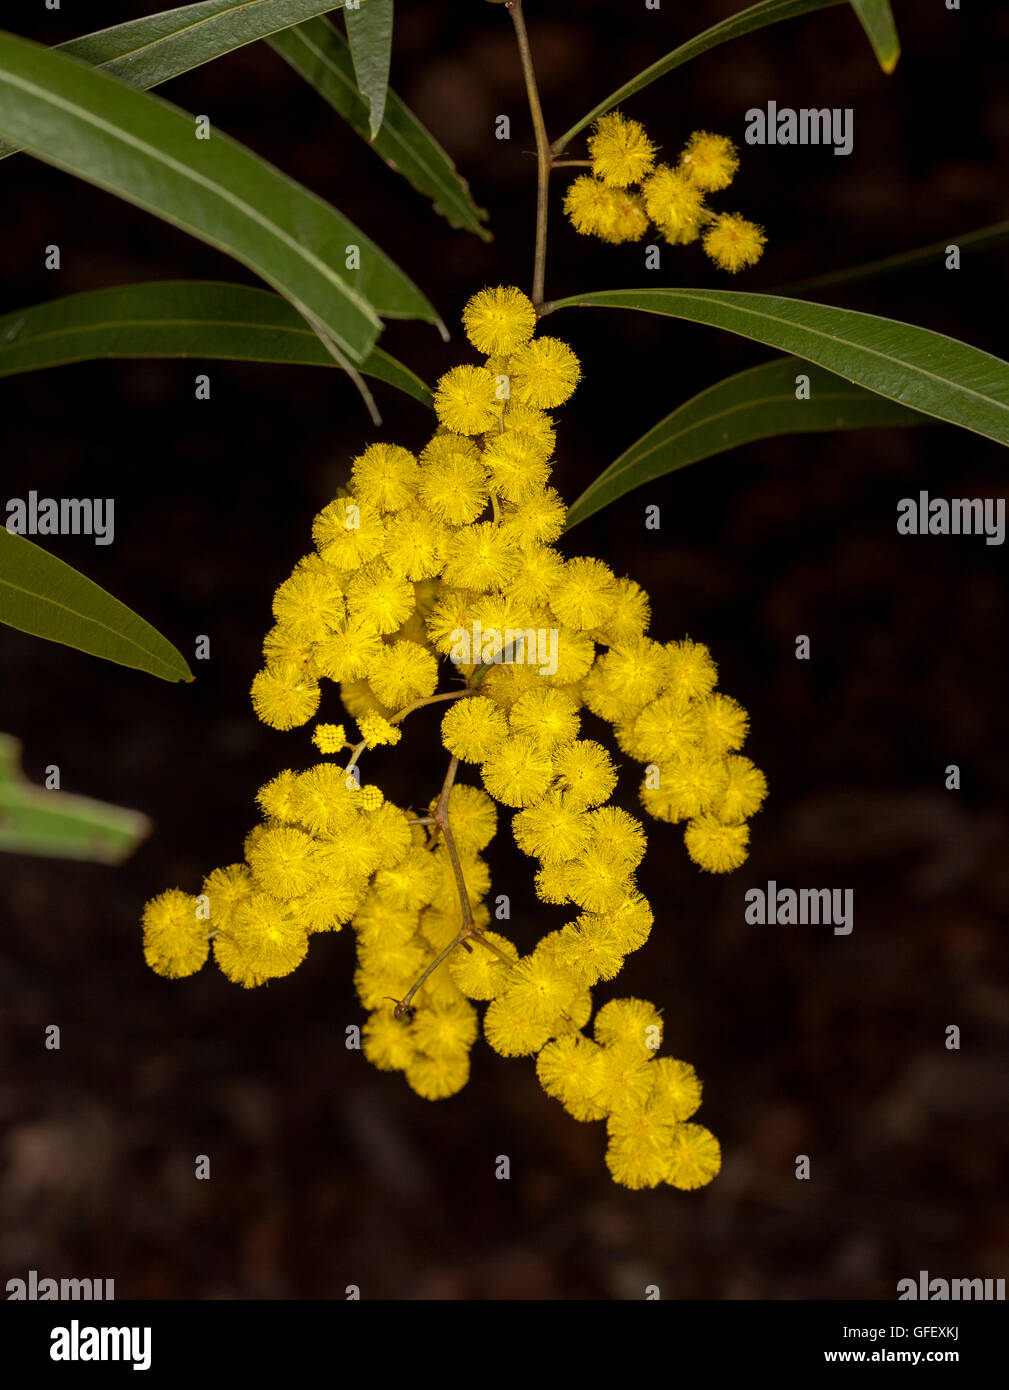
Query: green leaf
(42, 595)
(320, 53)
(755, 404)
(145, 52)
(978, 240)
(57, 824)
(145, 150)
(877, 21)
(177, 318)
(745, 22)
(369, 32)
(923, 370)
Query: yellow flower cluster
(447, 559)
(627, 191)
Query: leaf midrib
(175, 33)
(117, 133)
(150, 652)
(833, 338)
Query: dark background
(325, 1172)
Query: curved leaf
(58, 824)
(745, 22)
(48, 598)
(755, 404)
(978, 240)
(145, 52)
(877, 21)
(320, 54)
(369, 33)
(145, 150)
(923, 370)
(177, 318)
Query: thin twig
(543, 155)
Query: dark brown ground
(324, 1172)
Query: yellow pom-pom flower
(453, 480)
(544, 374)
(472, 728)
(481, 973)
(565, 1068)
(386, 476)
(518, 771)
(377, 596)
(549, 716)
(436, 1078)
(325, 801)
(733, 243)
(515, 466)
(691, 669)
(466, 400)
(638, 1153)
(584, 594)
(715, 846)
(226, 889)
(620, 151)
(676, 1089)
(694, 1159)
(277, 797)
(710, 160)
(175, 938)
(673, 201)
(499, 320)
(586, 771)
(387, 1041)
(308, 605)
(630, 1023)
(283, 862)
(593, 208)
(268, 937)
(349, 532)
(403, 672)
(284, 696)
(481, 557)
(745, 789)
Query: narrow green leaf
(320, 54)
(369, 32)
(48, 598)
(177, 318)
(877, 21)
(147, 51)
(978, 240)
(923, 370)
(57, 824)
(756, 404)
(745, 22)
(145, 150)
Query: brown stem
(441, 822)
(543, 155)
